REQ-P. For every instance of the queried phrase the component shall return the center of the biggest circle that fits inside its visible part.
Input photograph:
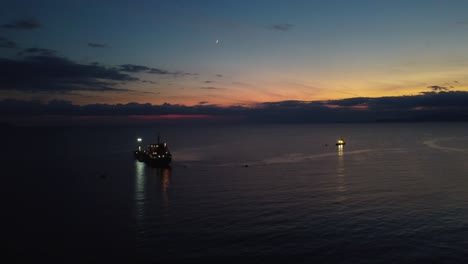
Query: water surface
(244, 193)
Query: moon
(217, 41)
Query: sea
(239, 193)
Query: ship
(340, 142)
(156, 154)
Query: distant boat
(156, 155)
(340, 142)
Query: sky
(228, 54)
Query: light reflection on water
(340, 150)
(162, 177)
(140, 194)
(341, 170)
(151, 184)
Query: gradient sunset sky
(230, 52)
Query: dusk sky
(228, 53)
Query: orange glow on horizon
(237, 95)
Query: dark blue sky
(166, 51)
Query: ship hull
(159, 162)
(152, 161)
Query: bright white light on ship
(139, 139)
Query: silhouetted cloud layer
(46, 72)
(25, 24)
(37, 51)
(442, 106)
(144, 69)
(42, 70)
(436, 88)
(134, 68)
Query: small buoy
(245, 166)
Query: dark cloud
(145, 69)
(133, 68)
(209, 81)
(97, 45)
(27, 24)
(6, 43)
(280, 27)
(159, 71)
(203, 102)
(436, 88)
(42, 70)
(350, 101)
(428, 101)
(51, 73)
(146, 81)
(37, 51)
(219, 75)
(441, 106)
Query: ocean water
(396, 193)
